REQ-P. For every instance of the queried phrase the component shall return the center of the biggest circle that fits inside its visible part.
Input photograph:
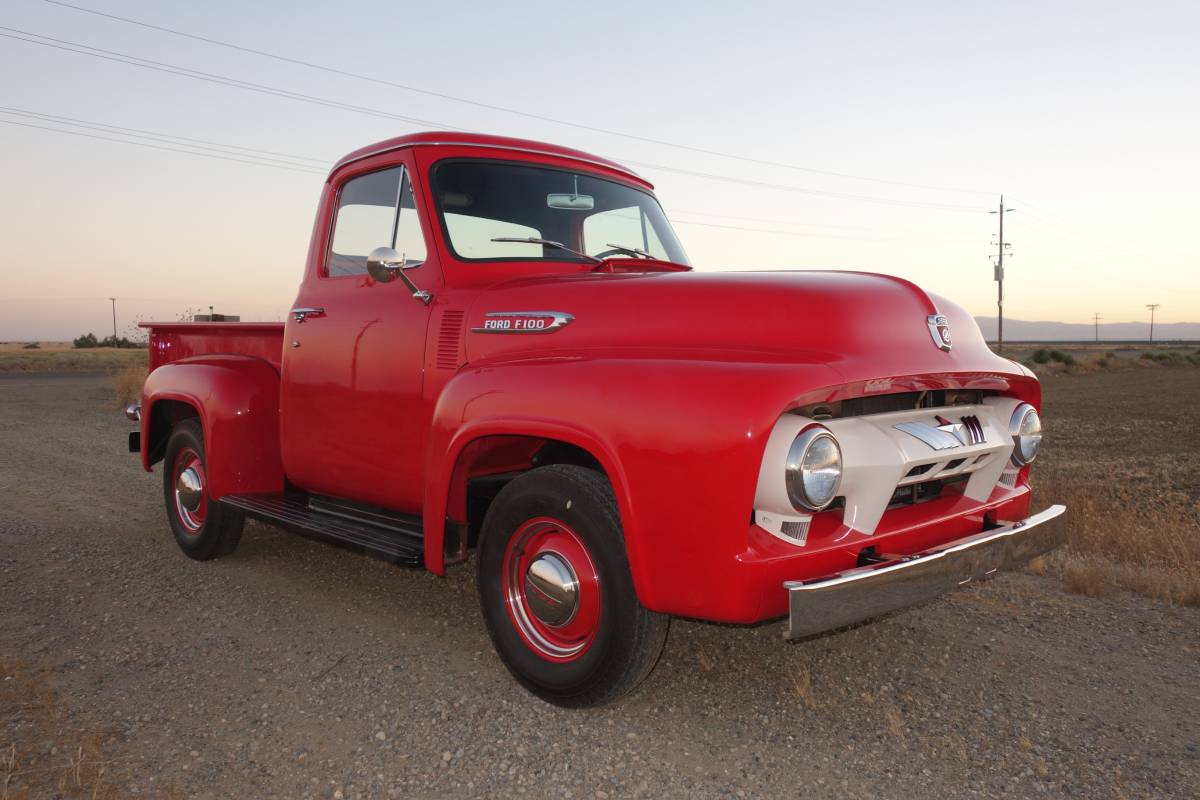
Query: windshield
(481, 201)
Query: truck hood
(863, 326)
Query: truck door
(352, 422)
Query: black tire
(217, 531)
(625, 641)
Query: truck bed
(173, 341)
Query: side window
(366, 218)
(626, 227)
(408, 241)
(374, 210)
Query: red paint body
(671, 380)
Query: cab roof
(464, 139)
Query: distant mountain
(1023, 330)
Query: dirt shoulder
(292, 669)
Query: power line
(505, 109)
(140, 131)
(308, 170)
(159, 66)
(819, 235)
(229, 150)
(1087, 232)
(162, 147)
(815, 192)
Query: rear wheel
(203, 529)
(556, 590)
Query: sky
(863, 136)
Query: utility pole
(114, 310)
(1001, 246)
(1152, 307)
(1096, 320)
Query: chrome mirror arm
(385, 265)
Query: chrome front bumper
(859, 594)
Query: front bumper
(835, 601)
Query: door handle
(301, 314)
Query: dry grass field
(62, 357)
(1122, 451)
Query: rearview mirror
(571, 202)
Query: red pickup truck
(498, 346)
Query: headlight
(1026, 430)
(814, 469)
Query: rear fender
(237, 401)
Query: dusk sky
(1084, 114)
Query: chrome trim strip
(530, 150)
(558, 319)
(863, 593)
(936, 438)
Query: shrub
(1062, 358)
(32, 346)
(1041, 356)
(90, 340)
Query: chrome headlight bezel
(1025, 427)
(813, 440)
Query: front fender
(681, 441)
(237, 401)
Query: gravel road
(293, 669)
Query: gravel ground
(293, 669)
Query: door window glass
(366, 217)
(409, 241)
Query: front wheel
(203, 529)
(556, 590)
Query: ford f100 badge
(523, 322)
(939, 329)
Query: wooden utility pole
(1001, 246)
(1153, 307)
(1096, 321)
(114, 312)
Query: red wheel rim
(191, 490)
(551, 589)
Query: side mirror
(385, 265)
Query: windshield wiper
(547, 243)
(633, 251)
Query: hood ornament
(939, 329)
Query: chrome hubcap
(552, 590)
(189, 490)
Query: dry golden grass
(41, 753)
(1123, 454)
(62, 357)
(1124, 538)
(127, 384)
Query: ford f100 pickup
(498, 347)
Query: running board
(399, 542)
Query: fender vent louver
(449, 339)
